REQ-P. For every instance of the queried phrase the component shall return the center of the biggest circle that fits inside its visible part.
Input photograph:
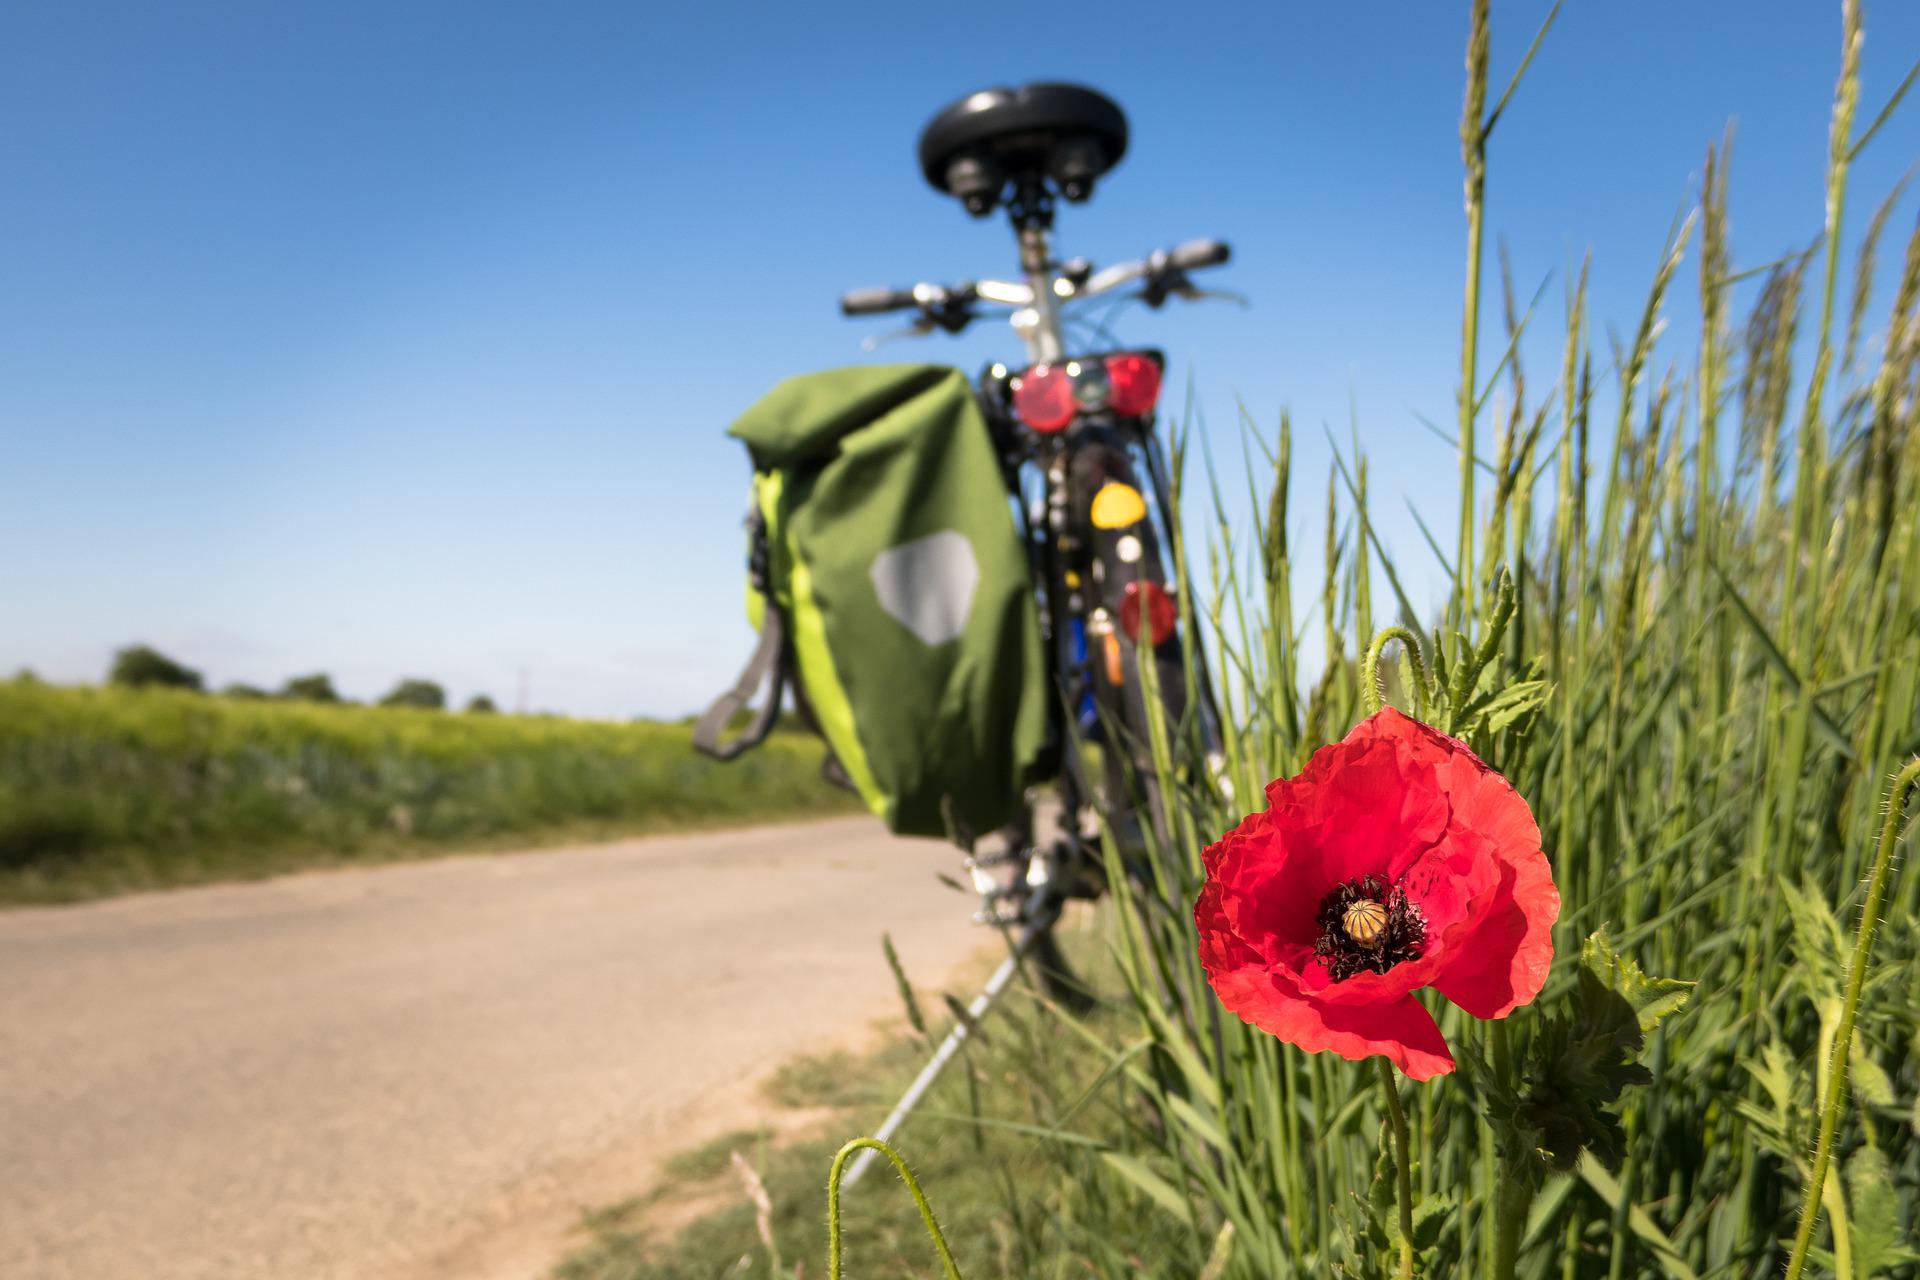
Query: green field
(104, 790)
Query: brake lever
(1192, 293)
(1172, 282)
(918, 329)
(1162, 282)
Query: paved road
(424, 1070)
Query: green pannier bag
(891, 590)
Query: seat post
(1039, 324)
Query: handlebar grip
(870, 302)
(1199, 253)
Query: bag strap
(767, 666)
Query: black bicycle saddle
(1067, 132)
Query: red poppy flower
(1395, 861)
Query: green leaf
(1779, 1126)
(1493, 711)
(1370, 1224)
(1221, 1255)
(1195, 1073)
(1829, 1010)
(1819, 944)
(961, 1016)
(1383, 1212)
(1871, 1084)
(1775, 1075)
(1195, 1123)
(1544, 1216)
(1156, 1188)
(1651, 999)
(1514, 702)
(1586, 1054)
(1878, 1228)
(1665, 1253)
(1582, 1062)
(1430, 1219)
(914, 1017)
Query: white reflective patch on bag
(928, 584)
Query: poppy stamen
(1367, 927)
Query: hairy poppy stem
(1843, 1038)
(1370, 687)
(1511, 1189)
(913, 1188)
(1511, 1202)
(1403, 1172)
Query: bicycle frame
(1078, 570)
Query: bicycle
(1074, 432)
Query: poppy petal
(1402, 1030)
(1505, 963)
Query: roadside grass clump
(1023, 1103)
(105, 790)
(1684, 621)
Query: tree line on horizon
(141, 666)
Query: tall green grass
(105, 789)
(1687, 626)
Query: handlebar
(1162, 274)
(873, 302)
(1195, 254)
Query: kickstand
(941, 1056)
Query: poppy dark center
(1365, 927)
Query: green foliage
(1650, 1000)
(244, 692)
(481, 704)
(1586, 1053)
(1371, 1230)
(1880, 1237)
(317, 687)
(206, 788)
(144, 667)
(413, 692)
(915, 1018)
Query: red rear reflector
(1162, 613)
(1043, 397)
(1136, 384)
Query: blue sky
(401, 339)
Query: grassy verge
(1000, 1198)
(109, 790)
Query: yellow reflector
(1118, 505)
